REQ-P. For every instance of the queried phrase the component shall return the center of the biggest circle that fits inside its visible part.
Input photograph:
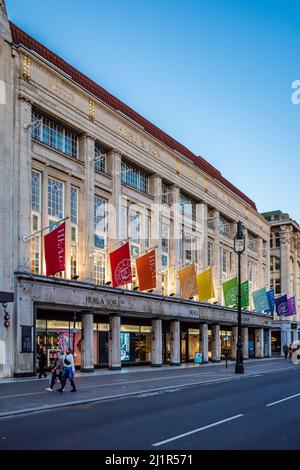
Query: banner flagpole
(118, 243)
(25, 239)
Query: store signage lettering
(103, 302)
(139, 141)
(194, 313)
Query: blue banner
(282, 307)
(271, 299)
(260, 300)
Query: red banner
(55, 243)
(120, 265)
(146, 271)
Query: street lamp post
(239, 248)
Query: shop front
(251, 343)
(135, 343)
(113, 328)
(57, 331)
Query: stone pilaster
(175, 241)
(86, 218)
(114, 160)
(234, 342)
(44, 215)
(114, 351)
(260, 274)
(216, 257)
(245, 341)
(216, 343)
(244, 257)
(24, 190)
(201, 232)
(175, 343)
(156, 190)
(259, 343)
(87, 353)
(156, 358)
(285, 261)
(24, 361)
(204, 341)
(9, 174)
(270, 343)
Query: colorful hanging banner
(205, 285)
(55, 250)
(187, 279)
(282, 308)
(146, 271)
(245, 294)
(230, 291)
(271, 299)
(292, 306)
(260, 300)
(120, 265)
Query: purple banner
(282, 308)
(292, 306)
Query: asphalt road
(238, 414)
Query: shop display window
(135, 343)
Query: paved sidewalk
(18, 396)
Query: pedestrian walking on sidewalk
(42, 363)
(290, 351)
(57, 372)
(285, 350)
(68, 371)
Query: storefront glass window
(135, 344)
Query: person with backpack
(57, 372)
(68, 371)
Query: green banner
(230, 291)
(245, 294)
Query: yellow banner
(205, 285)
(187, 279)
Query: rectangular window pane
(100, 159)
(50, 133)
(99, 268)
(186, 205)
(134, 177)
(74, 205)
(100, 214)
(165, 238)
(135, 227)
(55, 198)
(36, 191)
(147, 232)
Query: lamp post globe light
(239, 248)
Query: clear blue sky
(214, 74)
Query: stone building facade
(70, 149)
(284, 274)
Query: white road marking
(175, 438)
(284, 399)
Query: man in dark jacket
(285, 350)
(42, 363)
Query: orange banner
(187, 278)
(146, 271)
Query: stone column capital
(86, 135)
(115, 151)
(26, 99)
